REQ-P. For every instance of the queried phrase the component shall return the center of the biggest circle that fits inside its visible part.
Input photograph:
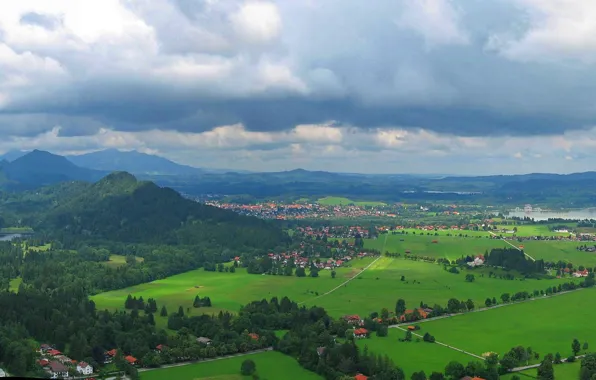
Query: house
(109, 356)
(84, 368)
(581, 273)
(320, 351)
(360, 377)
(58, 370)
(360, 333)
(159, 347)
(352, 319)
(203, 340)
(131, 359)
(45, 347)
(63, 359)
(44, 363)
(53, 352)
(409, 314)
(478, 261)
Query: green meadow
(14, 284)
(228, 291)
(451, 247)
(547, 325)
(563, 371)
(415, 355)
(119, 260)
(380, 286)
(340, 201)
(532, 230)
(270, 366)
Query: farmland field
(454, 247)
(565, 371)
(339, 201)
(547, 325)
(228, 291)
(119, 260)
(270, 366)
(414, 356)
(380, 286)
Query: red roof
(112, 352)
(360, 377)
(254, 336)
(83, 365)
(159, 347)
(360, 332)
(43, 362)
(54, 352)
(130, 359)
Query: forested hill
(120, 208)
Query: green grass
(532, 230)
(547, 325)
(451, 247)
(414, 356)
(270, 366)
(228, 291)
(14, 284)
(41, 248)
(340, 201)
(380, 287)
(563, 371)
(119, 260)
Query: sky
(426, 86)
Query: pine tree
(164, 311)
(128, 304)
(197, 302)
(180, 311)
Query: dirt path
(531, 258)
(443, 344)
(342, 284)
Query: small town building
(360, 333)
(84, 368)
(58, 370)
(203, 340)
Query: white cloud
(257, 21)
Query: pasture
(381, 286)
(563, 371)
(340, 201)
(532, 230)
(270, 366)
(119, 260)
(413, 356)
(454, 247)
(547, 325)
(14, 284)
(228, 291)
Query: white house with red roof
(84, 368)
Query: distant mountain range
(132, 162)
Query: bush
(571, 359)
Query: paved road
(207, 360)
(518, 369)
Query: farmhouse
(131, 359)
(478, 261)
(352, 319)
(84, 368)
(360, 333)
(360, 377)
(581, 273)
(57, 370)
(254, 336)
(415, 314)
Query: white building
(477, 262)
(84, 368)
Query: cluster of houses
(303, 262)
(57, 365)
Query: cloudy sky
(393, 86)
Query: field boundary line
(443, 344)
(516, 247)
(343, 283)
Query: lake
(586, 213)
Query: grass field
(270, 366)
(564, 371)
(228, 291)
(547, 325)
(414, 356)
(380, 286)
(533, 230)
(339, 201)
(453, 247)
